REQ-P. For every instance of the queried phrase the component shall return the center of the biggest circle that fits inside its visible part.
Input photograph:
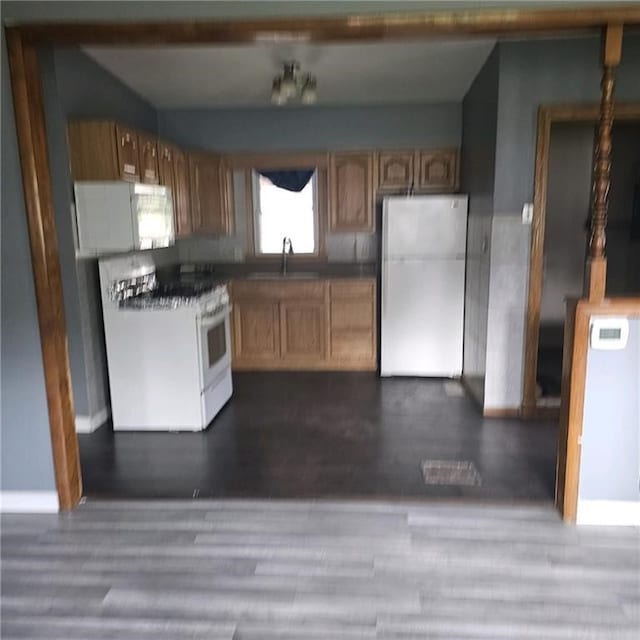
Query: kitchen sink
(295, 275)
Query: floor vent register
(460, 473)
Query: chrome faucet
(285, 253)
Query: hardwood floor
(266, 570)
(309, 435)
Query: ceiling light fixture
(292, 86)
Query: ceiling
(347, 74)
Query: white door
(424, 226)
(422, 317)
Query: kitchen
(322, 317)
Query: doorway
(564, 171)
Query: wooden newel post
(596, 275)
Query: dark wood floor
(279, 570)
(319, 435)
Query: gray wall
(24, 423)
(610, 458)
(545, 72)
(531, 73)
(299, 128)
(479, 124)
(76, 87)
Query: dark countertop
(216, 272)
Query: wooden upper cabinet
(128, 153)
(103, 150)
(396, 170)
(182, 193)
(438, 170)
(352, 192)
(93, 150)
(165, 164)
(148, 157)
(174, 173)
(210, 198)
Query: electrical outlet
(527, 213)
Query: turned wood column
(596, 275)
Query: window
(280, 213)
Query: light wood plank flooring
(261, 570)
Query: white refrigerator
(423, 277)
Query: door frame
(549, 115)
(22, 44)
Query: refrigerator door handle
(385, 284)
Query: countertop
(204, 272)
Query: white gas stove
(168, 347)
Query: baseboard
(88, 424)
(501, 412)
(609, 512)
(29, 502)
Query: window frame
(255, 205)
(321, 201)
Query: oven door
(215, 346)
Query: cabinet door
(93, 150)
(302, 331)
(128, 159)
(148, 159)
(172, 165)
(353, 324)
(256, 332)
(351, 186)
(209, 210)
(396, 169)
(438, 170)
(182, 194)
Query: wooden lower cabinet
(256, 332)
(303, 331)
(319, 325)
(353, 337)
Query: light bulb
(277, 96)
(288, 84)
(309, 94)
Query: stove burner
(172, 295)
(182, 290)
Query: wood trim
(595, 283)
(536, 264)
(279, 160)
(501, 412)
(612, 46)
(567, 364)
(568, 481)
(375, 27)
(34, 158)
(579, 314)
(322, 198)
(547, 116)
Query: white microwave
(116, 217)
